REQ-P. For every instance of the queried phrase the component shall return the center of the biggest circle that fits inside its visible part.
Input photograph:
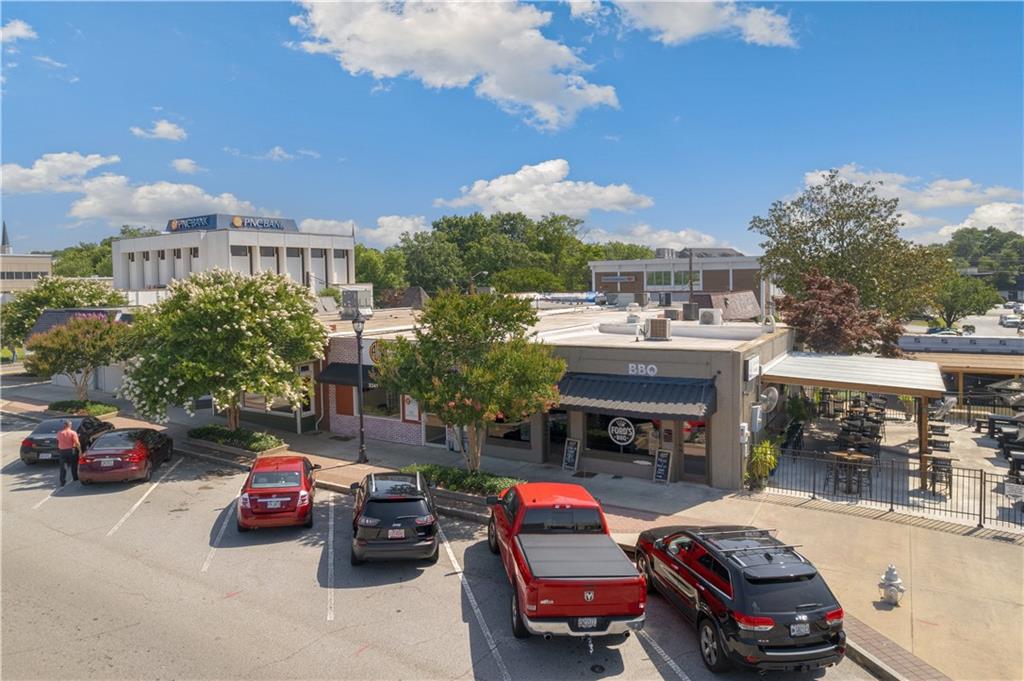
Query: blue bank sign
(223, 221)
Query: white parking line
(476, 609)
(46, 498)
(663, 655)
(138, 503)
(330, 558)
(220, 535)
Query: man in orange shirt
(68, 447)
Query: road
(988, 324)
(130, 581)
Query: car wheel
(149, 473)
(309, 520)
(85, 482)
(711, 647)
(492, 537)
(241, 527)
(29, 463)
(354, 559)
(432, 559)
(644, 568)
(519, 629)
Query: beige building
(20, 272)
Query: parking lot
(154, 581)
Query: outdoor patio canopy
(857, 372)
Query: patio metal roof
(857, 372)
(975, 363)
(639, 396)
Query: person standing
(68, 447)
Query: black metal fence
(963, 494)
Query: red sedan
(278, 492)
(124, 454)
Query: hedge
(83, 407)
(241, 438)
(461, 480)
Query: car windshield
(556, 520)
(51, 426)
(389, 510)
(276, 479)
(122, 439)
(787, 594)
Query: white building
(233, 242)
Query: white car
(1010, 321)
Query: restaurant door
(692, 448)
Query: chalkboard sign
(662, 465)
(571, 454)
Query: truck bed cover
(574, 556)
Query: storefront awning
(857, 372)
(638, 396)
(337, 373)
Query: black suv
(394, 517)
(41, 444)
(754, 600)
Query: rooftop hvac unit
(658, 328)
(664, 253)
(673, 313)
(711, 316)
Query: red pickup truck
(569, 577)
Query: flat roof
(857, 372)
(970, 362)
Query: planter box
(237, 451)
(464, 497)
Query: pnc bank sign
(223, 221)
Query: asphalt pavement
(153, 580)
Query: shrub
(242, 438)
(763, 460)
(83, 407)
(461, 480)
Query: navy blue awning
(639, 396)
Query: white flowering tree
(222, 333)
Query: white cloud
(387, 232)
(277, 154)
(495, 48)
(186, 166)
(50, 62)
(674, 23)
(312, 153)
(542, 188)
(116, 200)
(323, 226)
(584, 8)
(162, 129)
(913, 193)
(60, 172)
(646, 235)
(1001, 215)
(16, 29)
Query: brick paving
(902, 662)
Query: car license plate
(45, 456)
(800, 629)
(273, 504)
(587, 622)
(107, 463)
(396, 534)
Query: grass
(5, 354)
(461, 480)
(83, 407)
(242, 438)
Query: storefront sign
(621, 431)
(571, 454)
(636, 369)
(662, 465)
(222, 221)
(410, 409)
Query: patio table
(854, 469)
(940, 472)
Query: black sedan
(41, 444)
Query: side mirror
(355, 487)
(317, 466)
(492, 500)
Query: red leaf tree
(829, 318)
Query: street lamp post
(472, 280)
(358, 324)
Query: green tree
(93, 260)
(433, 261)
(222, 333)
(77, 348)
(384, 269)
(849, 233)
(19, 315)
(471, 363)
(617, 250)
(964, 296)
(523, 279)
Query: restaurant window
(645, 442)
(380, 402)
(659, 278)
(683, 279)
(513, 433)
(254, 402)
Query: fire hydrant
(891, 587)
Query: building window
(131, 257)
(659, 278)
(194, 252)
(683, 278)
(177, 254)
(339, 253)
(316, 252)
(254, 402)
(145, 256)
(162, 255)
(515, 434)
(380, 402)
(644, 443)
(267, 251)
(239, 251)
(19, 275)
(293, 252)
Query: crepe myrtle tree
(471, 363)
(222, 333)
(77, 348)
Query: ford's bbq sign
(621, 431)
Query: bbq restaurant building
(234, 242)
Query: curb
(871, 664)
(27, 417)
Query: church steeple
(5, 244)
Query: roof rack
(742, 531)
(761, 549)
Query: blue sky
(659, 124)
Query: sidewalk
(963, 610)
